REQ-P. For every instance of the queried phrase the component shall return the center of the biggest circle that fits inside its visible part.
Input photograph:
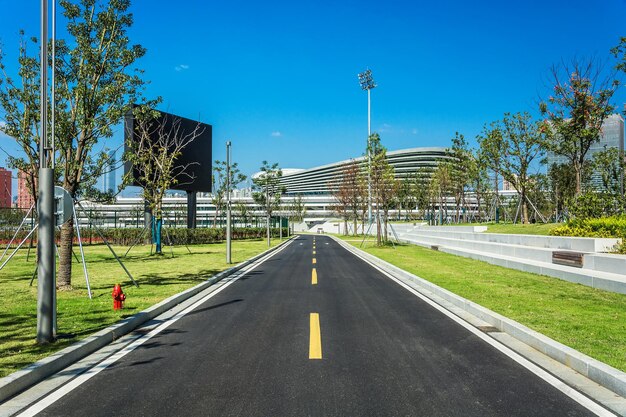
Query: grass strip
(586, 319)
(159, 277)
(514, 229)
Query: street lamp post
(45, 241)
(367, 83)
(228, 226)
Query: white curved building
(313, 184)
(320, 180)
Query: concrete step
(580, 244)
(593, 278)
(530, 253)
(607, 262)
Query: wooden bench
(574, 259)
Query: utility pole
(46, 265)
(228, 226)
(367, 83)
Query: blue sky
(279, 78)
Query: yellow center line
(315, 338)
(314, 261)
(314, 277)
(313, 252)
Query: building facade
(108, 182)
(612, 137)
(25, 198)
(6, 184)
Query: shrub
(614, 226)
(130, 236)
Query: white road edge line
(50, 399)
(541, 373)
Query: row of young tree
(464, 185)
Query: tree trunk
(157, 230)
(524, 207)
(578, 171)
(64, 278)
(268, 230)
(385, 223)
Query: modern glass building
(109, 183)
(612, 137)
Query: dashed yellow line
(315, 337)
(313, 252)
(314, 277)
(314, 261)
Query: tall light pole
(228, 227)
(367, 83)
(45, 242)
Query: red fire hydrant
(118, 297)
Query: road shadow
(202, 310)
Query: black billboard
(197, 155)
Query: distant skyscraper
(612, 137)
(5, 188)
(109, 183)
(24, 195)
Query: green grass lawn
(516, 229)
(158, 276)
(588, 320)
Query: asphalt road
(250, 351)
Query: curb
(599, 372)
(25, 378)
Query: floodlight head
(366, 80)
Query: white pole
(228, 225)
(369, 160)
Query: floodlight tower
(367, 83)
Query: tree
(609, 164)
(350, 194)
(460, 169)
(383, 184)
(243, 212)
(20, 103)
(96, 83)
(440, 189)
(421, 186)
(219, 184)
(575, 112)
(491, 153)
(297, 209)
(406, 196)
(160, 140)
(478, 181)
(341, 194)
(268, 191)
(561, 181)
(620, 53)
(521, 144)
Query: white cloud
(385, 128)
(276, 134)
(181, 67)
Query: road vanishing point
(309, 330)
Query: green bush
(130, 236)
(614, 226)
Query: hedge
(129, 236)
(614, 226)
